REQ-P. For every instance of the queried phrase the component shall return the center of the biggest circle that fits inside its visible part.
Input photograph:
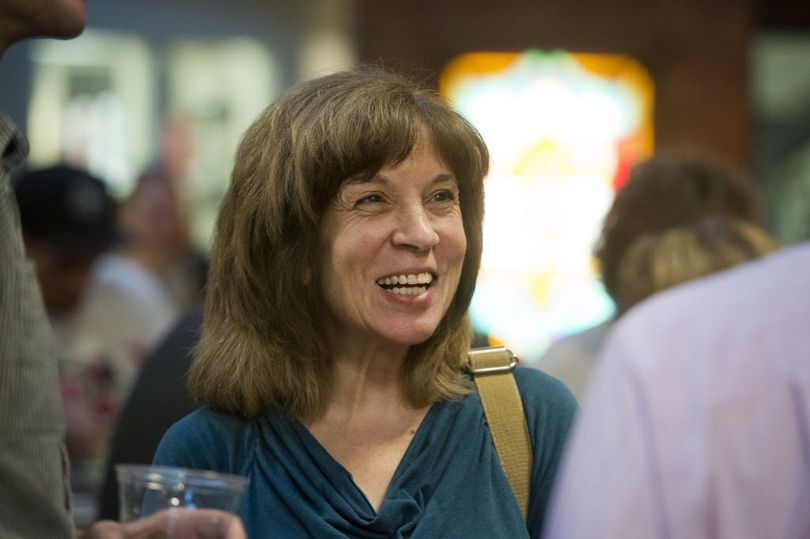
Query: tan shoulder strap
(491, 370)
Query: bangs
(355, 134)
(377, 139)
(459, 145)
(369, 123)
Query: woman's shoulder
(206, 415)
(206, 438)
(537, 385)
(546, 400)
(539, 391)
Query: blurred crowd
(115, 275)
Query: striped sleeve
(34, 487)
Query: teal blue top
(449, 483)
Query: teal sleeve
(34, 482)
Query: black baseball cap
(66, 207)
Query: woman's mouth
(411, 284)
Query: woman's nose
(415, 230)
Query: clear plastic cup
(146, 490)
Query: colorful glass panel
(563, 129)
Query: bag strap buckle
(490, 360)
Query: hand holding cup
(181, 503)
(175, 523)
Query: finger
(151, 527)
(235, 529)
(180, 523)
(104, 529)
(205, 523)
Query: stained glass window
(563, 130)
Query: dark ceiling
(783, 14)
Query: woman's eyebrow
(376, 179)
(382, 179)
(445, 178)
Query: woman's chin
(413, 336)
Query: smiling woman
(331, 161)
(336, 333)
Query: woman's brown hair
(261, 348)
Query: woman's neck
(368, 376)
(368, 423)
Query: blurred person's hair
(660, 260)
(262, 345)
(668, 191)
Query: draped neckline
(322, 454)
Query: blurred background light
(109, 102)
(92, 105)
(563, 129)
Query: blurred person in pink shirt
(697, 420)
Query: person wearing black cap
(68, 220)
(106, 311)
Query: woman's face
(394, 247)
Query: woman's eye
(444, 196)
(370, 198)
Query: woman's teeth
(409, 290)
(410, 285)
